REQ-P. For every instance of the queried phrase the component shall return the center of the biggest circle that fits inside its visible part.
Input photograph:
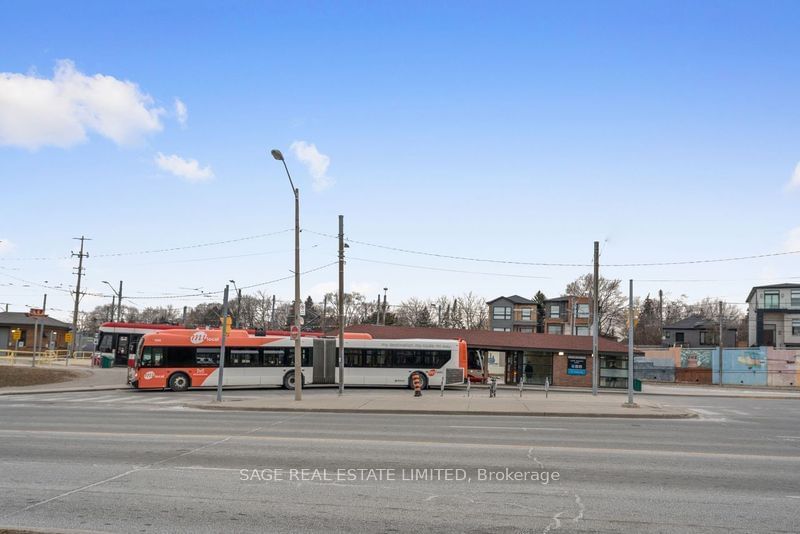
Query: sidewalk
(454, 402)
(89, 380)
(684, 390)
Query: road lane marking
(61, 434)
(508, 427)
(115, 477)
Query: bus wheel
(423, 380)
(288, 380)
(179, 382)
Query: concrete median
(453, 403)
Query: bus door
(121, 356)
(324, 359)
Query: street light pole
(119, 300)
(298, 373)
(238, 303)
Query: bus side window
(106, 342)
(147, 357)
(158, 356)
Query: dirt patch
(12, 376)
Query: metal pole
(596, 321)
(113, 307)
(720, 343)
(35, 338)
(238, 307)
(324, 313)
(44, 311)
(223, 336)
(74, 343)
(183, 321)
(630, 345)
(661, 317)
(341, 304)
(119, 302)
(298, 372)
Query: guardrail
(45, 357)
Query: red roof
(493, 340)
(152, 326)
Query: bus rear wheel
(423, 380)
(288, 380)
(179, 382)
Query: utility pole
(44, 311)
(113, 307)
(661, 315)
(378, 311)
(596, 321)
(340, 304)
(324, 313)
(720, 343)
(223, 335)
(238, 308)
(183, 321)
(272, 317)
(119, 302)
(631, 375)
(78, 295)
(385, 289)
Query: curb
(444, 412)
(66, 390)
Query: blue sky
(520, 131)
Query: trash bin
(107, 362)
(637, 384)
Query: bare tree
(611, 302)
(472, 311)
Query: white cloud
(794, 183)
(793, 240)
(188, 169)
(6, 246)
(181, 112)
(36, 112)
(316, 162)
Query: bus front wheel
(423, 380)
(179, 382)
(288, 380)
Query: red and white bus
(180, 359)
(120, 340)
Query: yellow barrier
(8, 355)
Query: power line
(561, 264)
(157, 251)
(447, 270)
(211, 293)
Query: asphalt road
(127, 461)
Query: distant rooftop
(23, 319)
(516, 299)
(773, 286)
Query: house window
(796, 298)
(526, 314)
(501, 312)
(772, 299)
(582, 331)
(555, 311)
(678, 337)
(525, 329)
(583, 311)
(501, 329)
(706, 338)
(554, 329)
(796, 327)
